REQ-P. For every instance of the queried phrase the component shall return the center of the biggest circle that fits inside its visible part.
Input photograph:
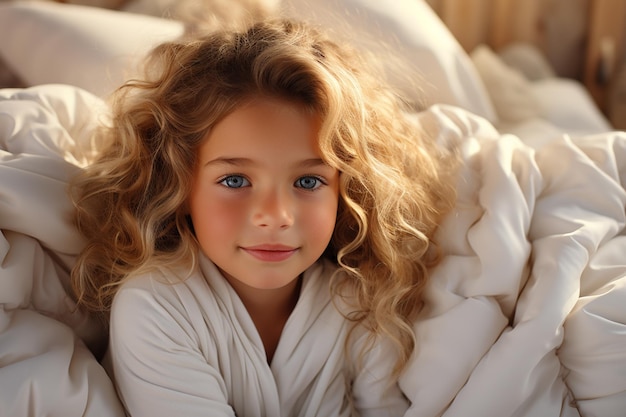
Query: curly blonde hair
(395, 184)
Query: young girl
(259, 227)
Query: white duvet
(526, 316)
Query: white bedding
(527, 312)
(46, 368)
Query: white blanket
(46, 368)
(528, 309)
(526, 316)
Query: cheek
(320, 223)
(215, 221)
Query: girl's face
(263, 203)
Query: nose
(273, 209)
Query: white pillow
(88, 47)
(528, 59)
(429, 51)
(508, 88)
(568, 105)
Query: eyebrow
(307, 163)
(229, 161)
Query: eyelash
(319, 183)
(223, 181)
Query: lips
(270, 253)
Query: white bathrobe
(190, 348)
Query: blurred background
(584, 40)
(579, 39)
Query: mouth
(270, 253)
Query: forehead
(261, 126)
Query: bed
(527, 311)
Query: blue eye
(235, 181)
(308, 183)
